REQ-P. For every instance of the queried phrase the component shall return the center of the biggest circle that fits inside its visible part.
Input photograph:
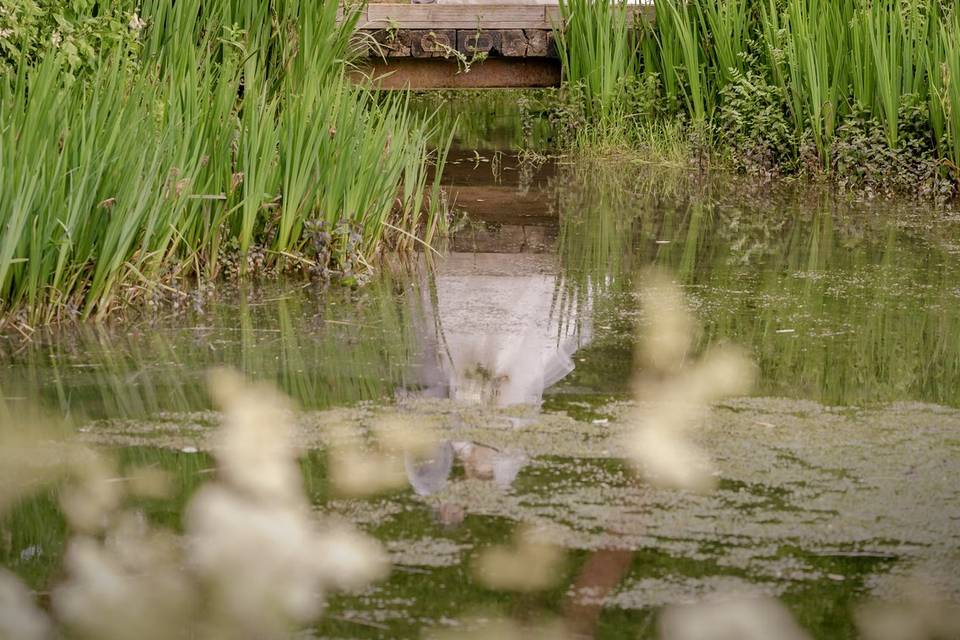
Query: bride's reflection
(495, 330)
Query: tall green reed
(683, 54)
(944, 81)
(598, 53)
(889, 41)
(830, 62)
(238, 127)
(807, 44)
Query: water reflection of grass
(320, 349)
(491, 119)
(841, 303)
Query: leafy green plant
(597, 51)
(767, 85)
(69, 30)
(237, 129)
(754, 121)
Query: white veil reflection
(495, 330)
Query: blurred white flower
(254, 448)
(732, 619)
(400, 434)
(351, 560)
(20, 617)
(354, 472)
(149, 482)
(252, 537)
(679, 390)
(722, 372)
(667, 459)
(260, 560)
(268, 565)
(921, 614)
(92, 498)
(33, 452)
(530, 564)
(670, 329)
(129, 586)
(252, 544)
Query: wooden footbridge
(458, 46)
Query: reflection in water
(430, 474)
(490, 119)
(840, 302)
(321, 348)
(491, 333)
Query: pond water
(838, 473)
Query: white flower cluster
(253, 537)
(675, 391)
(254, 560)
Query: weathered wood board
(468, 16)
(448, 43)
(464, 45)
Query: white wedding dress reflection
(495, 330)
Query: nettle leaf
(63, 23)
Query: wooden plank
(442, 43)
(470, 16)
(540, 43)
(464, 16)
(553, 17)
(436, 43)
(391, 44)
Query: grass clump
(597, 52)
(230, 141)
(864, 92)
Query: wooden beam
(469, 16)
(450, 16)
(552, 12)
(449, 43)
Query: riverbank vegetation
(147, 144)
(864, 92)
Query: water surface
(837, 474)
